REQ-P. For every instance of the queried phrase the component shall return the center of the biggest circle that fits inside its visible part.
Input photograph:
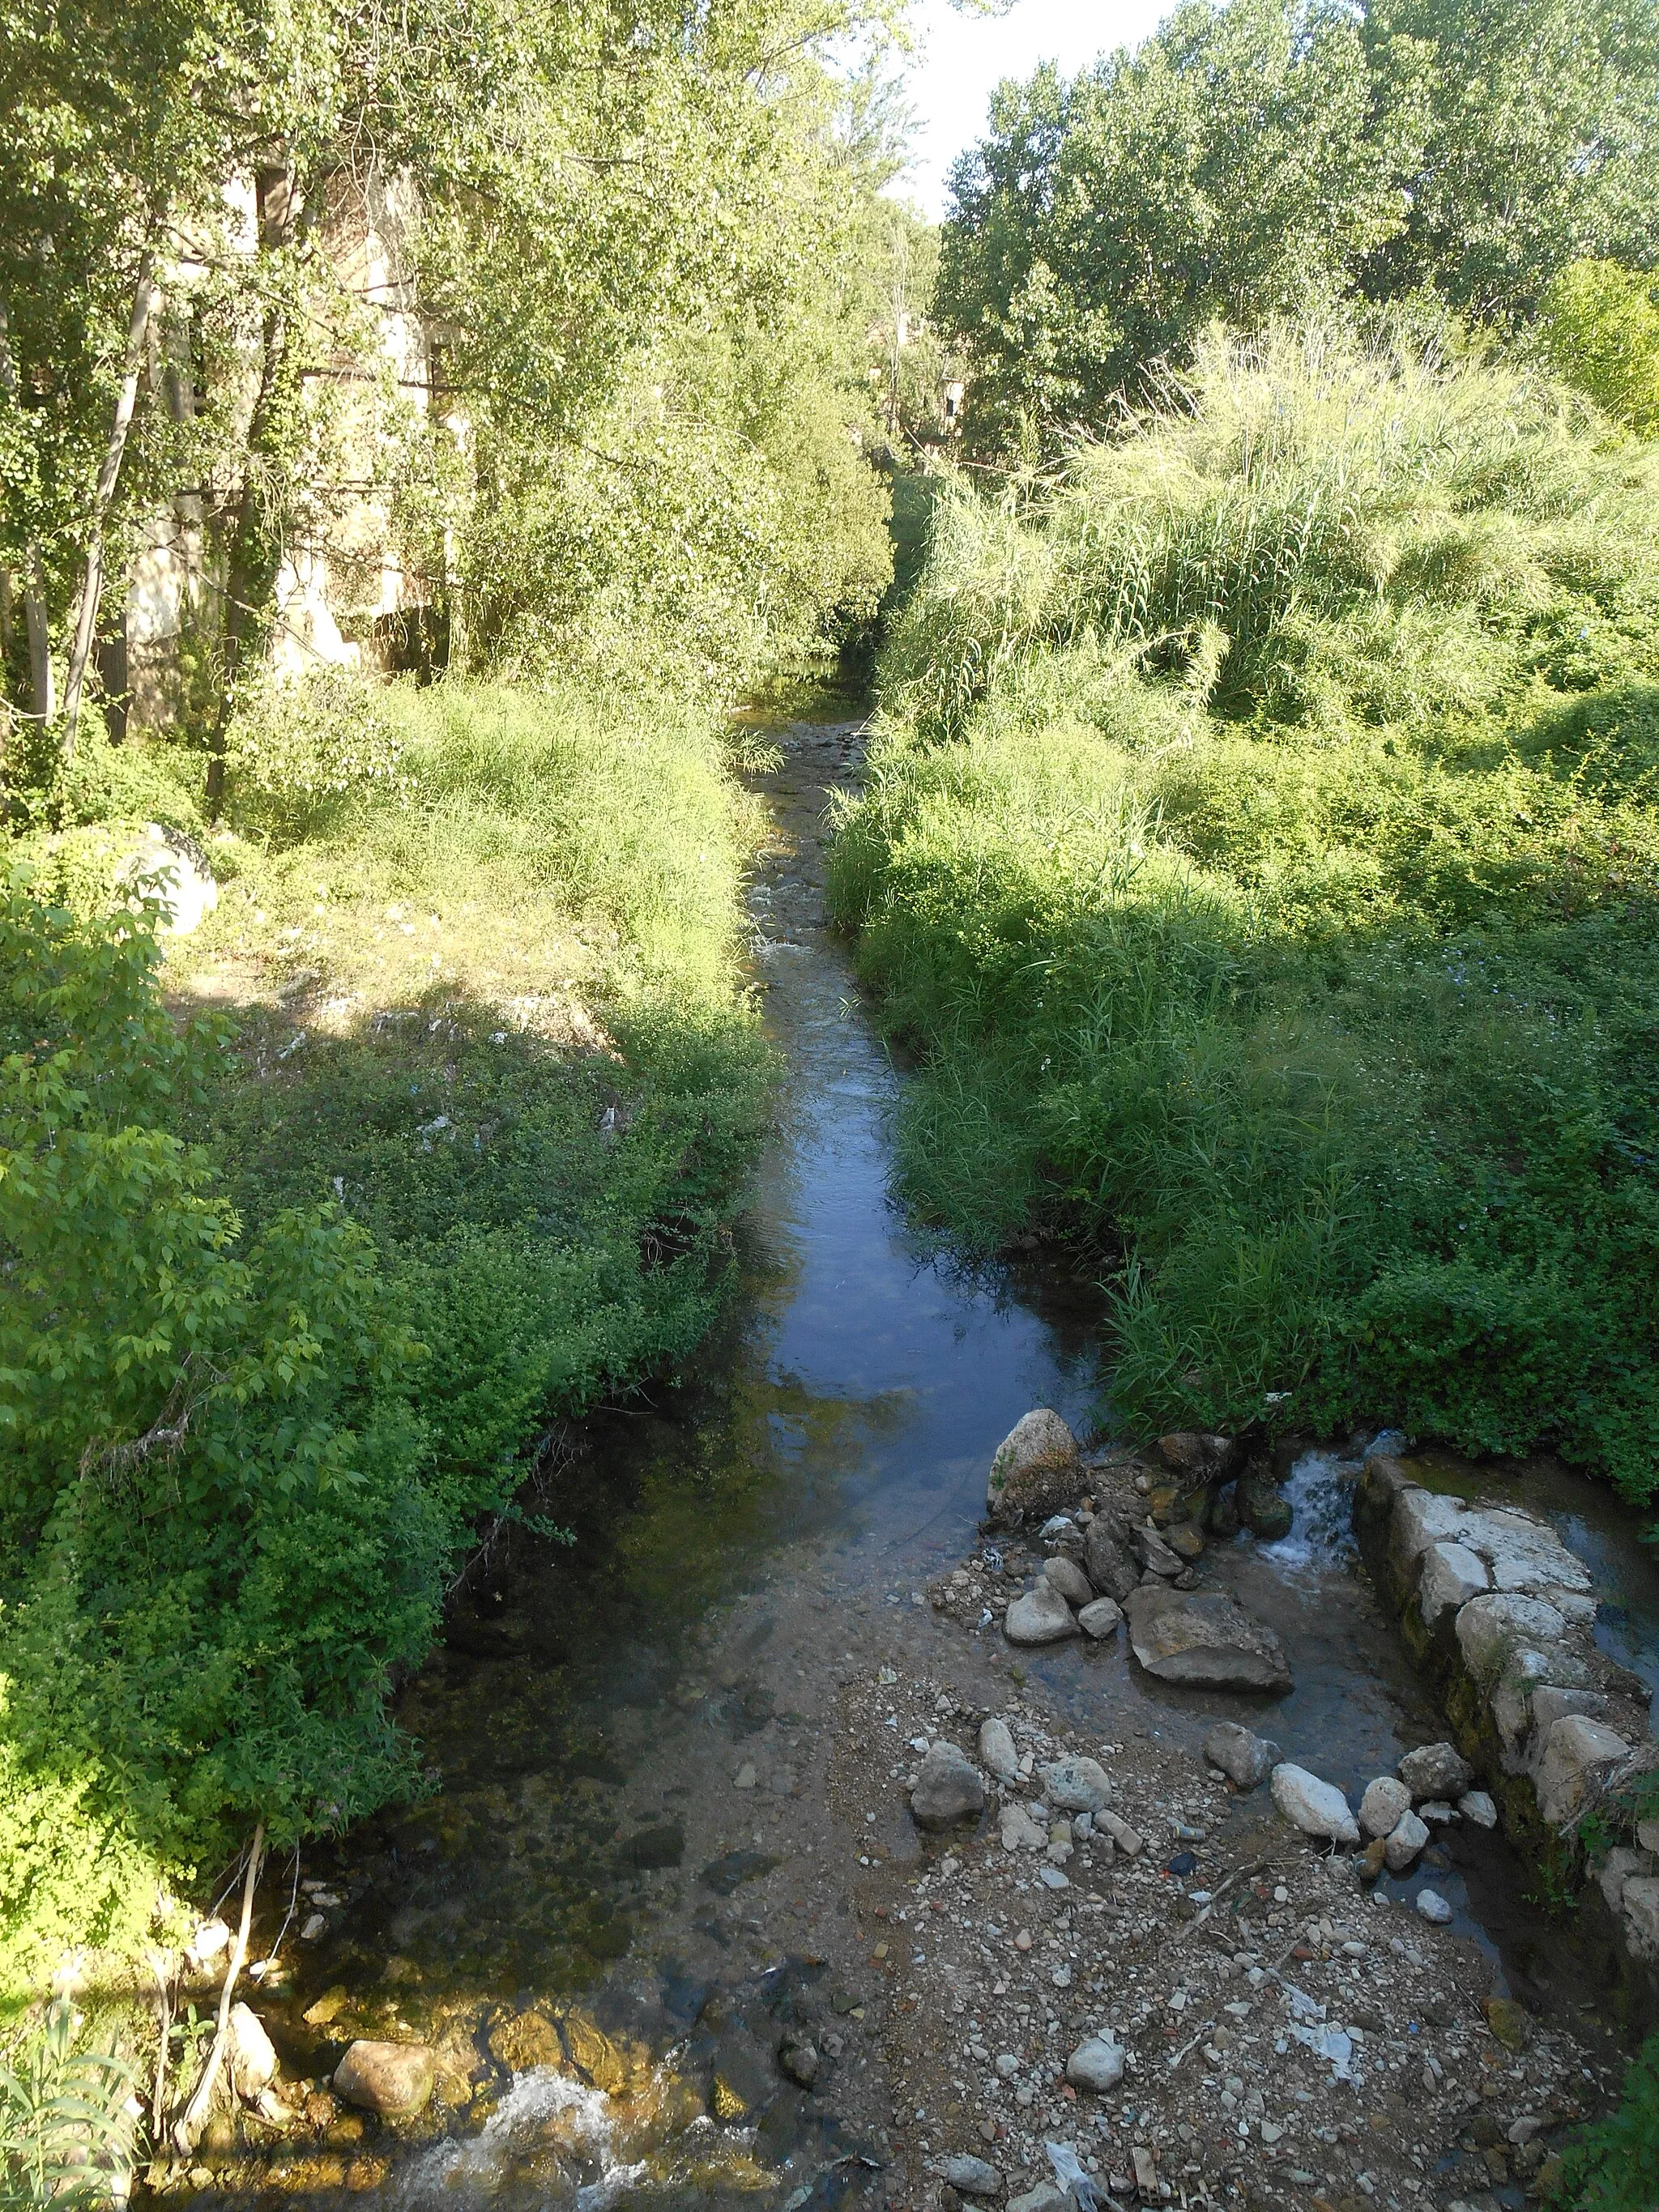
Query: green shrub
(1259, 844)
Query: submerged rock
(948, 1787)
(1318, 1808)
(1042, 1616)
(1246, 1759)
(1204, 1638)
(392, 2078)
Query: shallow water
(735, 1542)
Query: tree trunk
(34, 595)
(86, 624)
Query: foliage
(1261, 846)
(1613, 2165)
(1265, 157)
(61, 2118)
(277, 1327)
(1598, 328)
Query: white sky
(962, 58)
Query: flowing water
(630, 1737)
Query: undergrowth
(430, 1137)
(1260, 846)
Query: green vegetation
(1268, 157)
(1260, 846)
(290, 1303)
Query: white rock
(1076, 1785)
(1576, 1752)
(997, 1752)
(1068, 1578)
(1489, 1629)
(1479, 1808)
(1407, 1840)
(1042, 1616)
(252, 2054)
(1317, 1807)
(1381, 1807)
(1019, 1832)
(1451, 1576)
(1101, 1618)
(1433, 1907)
(1097, 2064)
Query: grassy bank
(431, 1136)
(1261, 849)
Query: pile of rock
(1493, 1602)
(1103, 1564)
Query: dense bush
(1261, 846)
(280, 1320)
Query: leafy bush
(1260, 844)
(1598, 327)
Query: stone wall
(1496, 1607)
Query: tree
(1540, 143)
(1232, 166)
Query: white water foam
(1319, 1491)
(467, 2170)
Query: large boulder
(1037, 1467)
(1203, 1637)
(1042, 1616)
(1318, 1808)
(1576, 1754)
(1246, 1759)
(391, 2079)
(948, 1787)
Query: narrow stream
(625, 1734)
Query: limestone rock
(1489, 1628)
(1435, 1770)
(1019, 1831)
(997, 1752)
(1451, 1576)
(948, 1787)
(1068, 1578)
(1576, 1752)
(1246, 1759)
(1317, 1807)
(1076, 1784)
(1381, 1807)
(1405, 1842)
(1107, 1560)
(1037, 1450)
(1042, 1616)
(252, 2054)
(1204, 1638)
(1100, 1618)
(972, 2177)
(1097, 2064)
(392, 2078)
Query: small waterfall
(1319, 1491)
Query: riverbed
(637, 1820)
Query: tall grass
(1261, 845)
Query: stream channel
(632, 1736)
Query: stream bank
(669, 1838)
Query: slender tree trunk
(34, 595)
(86, 624)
